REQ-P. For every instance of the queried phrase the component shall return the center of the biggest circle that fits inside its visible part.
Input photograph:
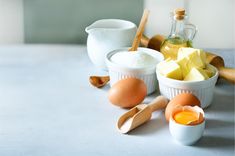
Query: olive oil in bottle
(181, 35)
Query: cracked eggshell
(184, 99)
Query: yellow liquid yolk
(185, 117)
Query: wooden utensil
(99, 81)
(140, 114)
(224, 72)
(140, 30)
(153, 43)
(215, 60)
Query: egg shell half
(184, 99)
(127, 92)
(195, 109)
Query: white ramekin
(148, 74)
(184, 134)
(204, 90)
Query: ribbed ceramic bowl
(148, 74)
(204, 90)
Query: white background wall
(11, 21)
(215, 20)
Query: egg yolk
(185, 117)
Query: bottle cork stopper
(179, 13)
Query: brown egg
(127, 92)
(184, 99)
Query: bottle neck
(177, 29)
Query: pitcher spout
(88, 29)
(93, 27)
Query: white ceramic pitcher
(106, 35)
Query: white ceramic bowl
(148, 74)
(186, 134)
(204, 90)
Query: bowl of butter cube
(189, 73)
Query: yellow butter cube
(196, 74)
(185, 65)
(196, 61)
(170, 69)
(196, 57)
(202, 55)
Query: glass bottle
(181, 35)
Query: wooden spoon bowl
(224, 72)
(99, 81)
(140, 114)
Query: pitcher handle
(190, 31)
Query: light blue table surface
(48, 108)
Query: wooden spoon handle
(140, 30)
(159, 102)
(227, 74)
(144, 40)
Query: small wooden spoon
(215, 60)
(140, 114)
(99, 81)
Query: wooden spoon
(215, 60)
(99, 81)
(140, 30)
(153, 43)
(140, 114)
(224, 72)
